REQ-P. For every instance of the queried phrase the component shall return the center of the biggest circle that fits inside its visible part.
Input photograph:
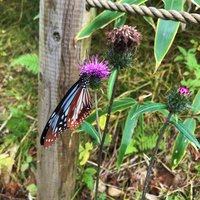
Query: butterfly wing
(57, 121)
(70, 113)
(79, 109)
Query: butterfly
(74, 107)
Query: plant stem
(99, 159)
(153, 157)
(97, 114)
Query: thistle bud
(178, 99)
(121, 42)
(124, 39)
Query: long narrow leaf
(119, 104)
(196, 2)
(130, 125)
(88, 128)
(182, 143)
(196, 104)
(186, 132)
(149, 107)
(111, 82)
(166, 31)
(103, 19)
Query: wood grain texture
(60, 20)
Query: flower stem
(97, 114)
(153, 157)
(99, 158)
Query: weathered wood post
(60, 20)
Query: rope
(174, 15)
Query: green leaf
(32, 188)
(88, 180)
(131, 147)
(29, 61)
(88, 128)
(196, 2)
(196, 104)
(103, 19)
(111, 82)
(90, 171)
(166, 31)
(84, 153)
(182, 50)
(182, 143)
(6, 161)
(108, 139)
(120, 21)
(102, 196)
(119, 104)
(150, 21)
(130, 125)
(24, 167)
(149, 107)
(186, 132)
(122, 104)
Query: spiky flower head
(95, 70)
(178, 99)
(124, 39)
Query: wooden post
(60, 21)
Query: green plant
(88, 177)
(189, 58)
(29, 61)
(5, 162)
(84, 153)
(32, 189)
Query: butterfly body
(69, 114)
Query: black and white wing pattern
(70, 113)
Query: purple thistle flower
(95, 68)
(183, 90)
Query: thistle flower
(124, 39)
(178, 99)
(95, 70)
(184, 90)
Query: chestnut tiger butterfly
(74, 107)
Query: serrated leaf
(166, 31)
(196, 104)
(111, 82)
(88, 180)
(89, 128)
(130, 125)
(29, 61)
(90, 171)
(103, 19)
(186, 132)
(181, 143)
